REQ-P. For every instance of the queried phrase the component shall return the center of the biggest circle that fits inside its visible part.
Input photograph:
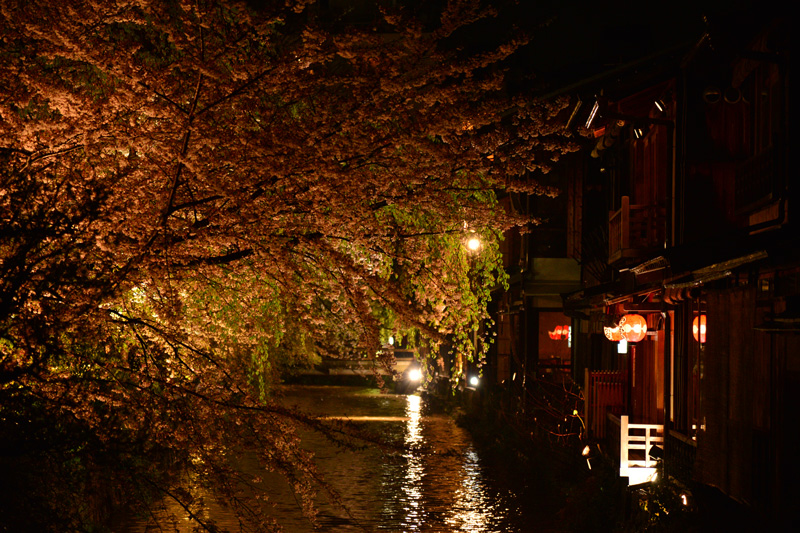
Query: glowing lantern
(699, 328)
(613, 334)
(560, 333)
(633, 327)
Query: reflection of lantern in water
(613, 334)
(699, 328)
(633, 327)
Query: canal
(434, 479)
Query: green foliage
(663, 506)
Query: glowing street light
(472, 239)
(415, 374)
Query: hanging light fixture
(560, 333)
(613, 334)
(699, 328)
(633, 327)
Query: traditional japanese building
(682, 219)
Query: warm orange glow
(613, 334)
(699, 328)
(560, 333)
(633, 327)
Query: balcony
(755, 183)
(636, 440)
(635, 230)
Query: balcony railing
(680, 453)
(634, 230)
(755, 181)
(636, 440)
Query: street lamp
(473, 241)
(473, 244)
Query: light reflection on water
(412, 483)
(438, 482)
(472, 511)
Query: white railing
(635, 443)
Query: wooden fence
(605, 392)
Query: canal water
(435, 480)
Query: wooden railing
(755, 181)
(604, 392)
(680, 453)
(636, 441)
(634, 230)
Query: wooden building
(683, 215)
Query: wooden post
(623, 446)
(587, 401)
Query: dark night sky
(575, 40)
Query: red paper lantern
(560, 333)
(633, 327)
(699, 328)
(613, 334)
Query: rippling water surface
(437, 482)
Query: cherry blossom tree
(193, 194)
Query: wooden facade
(695, 184)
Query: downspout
(631, 379)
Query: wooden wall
(736, 398)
